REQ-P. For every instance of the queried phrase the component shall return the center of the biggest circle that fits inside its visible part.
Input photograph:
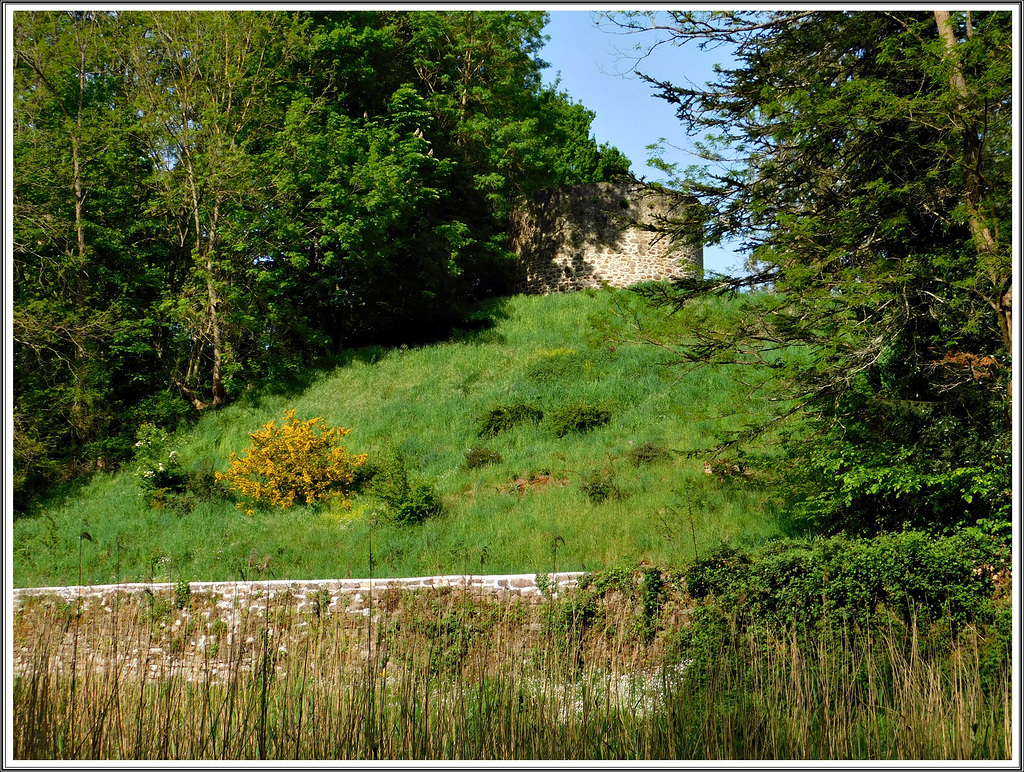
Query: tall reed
(453, 676)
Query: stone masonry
(230, 604)
(585, 236)
(351, 595)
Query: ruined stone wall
(581, 236)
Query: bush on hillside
(299, 461)
(648, 453)
(408, 497)
(578, 417)
(504, 417)
(838, 579)
(477, 457)
(599, 485)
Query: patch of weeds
(165, 498)
(648, 453)
(477, 457)
(322, 603)
(565, 364)
(599, 485)
(201, 480)
(159, 606)
(578, 417)
(651, 597)
(544, 584)
(182, 594)
(504, 417)
(620, 579)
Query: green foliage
(409, 498)
(839, 580)
(342, 179)
(934, 599)
(647, 453)
(644, 587)
(877, 215)
(501, 418)
(182, 594)
(477, 457)
(578, 417)
(858, 491)
(600, 485)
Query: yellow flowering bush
(300, 461)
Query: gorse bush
(299, 461)
(504, 417)
(578, 417)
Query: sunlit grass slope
(426, 403)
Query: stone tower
(580, 236)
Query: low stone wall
(211, 633)
(351, 595)
(584, 236)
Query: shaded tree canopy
(207, 199)
(863, 159)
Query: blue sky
(595, 68)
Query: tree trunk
(985, 242)
(217, 374)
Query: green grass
(427, 403)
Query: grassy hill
(617, 494)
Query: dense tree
(204, 87)
(868, 174)
(80, 236)
(206, 199)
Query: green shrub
(504, 417)
(201, 480)
(600, 486)
(477, 457)
(837, 579)
(578, 417)
(409, 498)
(648, 453)
(156, 461)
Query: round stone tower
(615, 233)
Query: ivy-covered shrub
(578, 417)
(910, 592)
(840, 579)
(504, 417)
(299, 461)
